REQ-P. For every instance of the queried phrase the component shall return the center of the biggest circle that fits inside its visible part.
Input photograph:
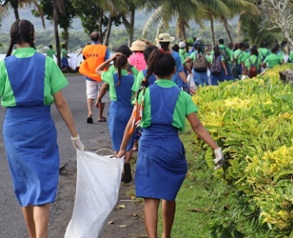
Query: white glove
(76, 142)
(219, 160)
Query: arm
(103, 91)
(65, 112)
(183, 76)
(224, 67)
(200, 130)
(106, 64)
(128, 133)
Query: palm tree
(183, 11)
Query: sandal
(103, 119)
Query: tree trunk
(56, 33)
(108, 32)
(181, 29)
(213, 31)
(225, 23)
(101, 26)
(14, 5)
(131, 30)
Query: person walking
(51, 52)
(137, 59)
(120, 83)
(64, 59)
(161, 164)
(29, 133)
(179, 77)
(94, 54)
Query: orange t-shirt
(94, 56)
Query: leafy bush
(251, 120)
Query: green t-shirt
(225, 50)
(184, 106)
(183, 55)
(63, 53)
(108, 78)
(54, 79)
(51, 53)
(263, 53)
(253, 60)
(273, 60)
(137, 82)
(133, 70)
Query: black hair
(276, 48)
(217, 51)
(50, 46)
(147, 52)
(221, 41)
(160, 63)
(165, 46)
(175, 48)
(21, 31)
(254, 51)
(119, 62)
(124, 49)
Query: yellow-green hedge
(252, 120)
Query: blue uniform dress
(29, 133)
(120, 110)
(161, 165)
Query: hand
(121, 153)
(77, 144)
(219, 160)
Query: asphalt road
(94, 136)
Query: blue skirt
(30, 140)
(118, 117)
(161, 165)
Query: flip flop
(103, 119)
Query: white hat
(165, 37)
(138, 45)
(182, 44)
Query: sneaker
(127, 177)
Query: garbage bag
(97, 190)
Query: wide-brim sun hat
(165, 37)
(138, 45)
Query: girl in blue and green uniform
(273, 59)
(161, 165)
(29, 83)
(120, 83)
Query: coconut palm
(183, 11)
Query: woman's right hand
(121, 153)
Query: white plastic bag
(192, 86)
(97, 190)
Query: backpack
(200, 63)
(216, 66)
(234, 66)
(225, 55)
(253, 69)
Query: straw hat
(138, 45)
(165, 37)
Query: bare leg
(101, 110)
(90, 104)
(168, 212)
(151, 216)
(29, 220)
(41, 217)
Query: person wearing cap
(164, 40)
(182, 51)
(94, 55)
(137, 58)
